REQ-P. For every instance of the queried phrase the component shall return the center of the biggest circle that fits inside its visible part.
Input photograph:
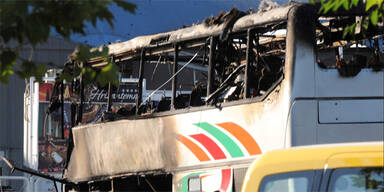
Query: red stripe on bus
(210, 145)
(195, 149)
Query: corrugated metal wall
(12, 98)
(11, 118)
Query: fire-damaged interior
(349, 52)
(232, 66)
(219, 67)
(207, 71)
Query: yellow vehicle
(335, 168)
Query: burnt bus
(240, 84)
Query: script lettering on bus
(126, 93)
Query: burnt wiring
(154, 70)
(173, 76)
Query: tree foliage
(101, 76)
(31, 22)
(374, 9)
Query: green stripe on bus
(232, 148)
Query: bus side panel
(307, 129)
(231, 132)
(179, 141)
(366, 83)
(303, 120)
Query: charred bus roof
(231, 22)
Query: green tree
(373, 8)
(31, 22)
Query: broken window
(191, 80)
(176, 71)
(230, 60)
(346, 52)
(213, 70)
(227, 60)
(263, 62)
(205, 70)
(157, 70)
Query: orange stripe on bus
(243, 136)
(195, 149)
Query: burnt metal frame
(250, 38)
(141, 75)
(251, 32)
(174, 70)
(211, 65)
(109, 102)
(211, 72)
(143, 56)
(80, 108)
(62, 109)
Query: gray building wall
(11, 120)
(55, 50)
